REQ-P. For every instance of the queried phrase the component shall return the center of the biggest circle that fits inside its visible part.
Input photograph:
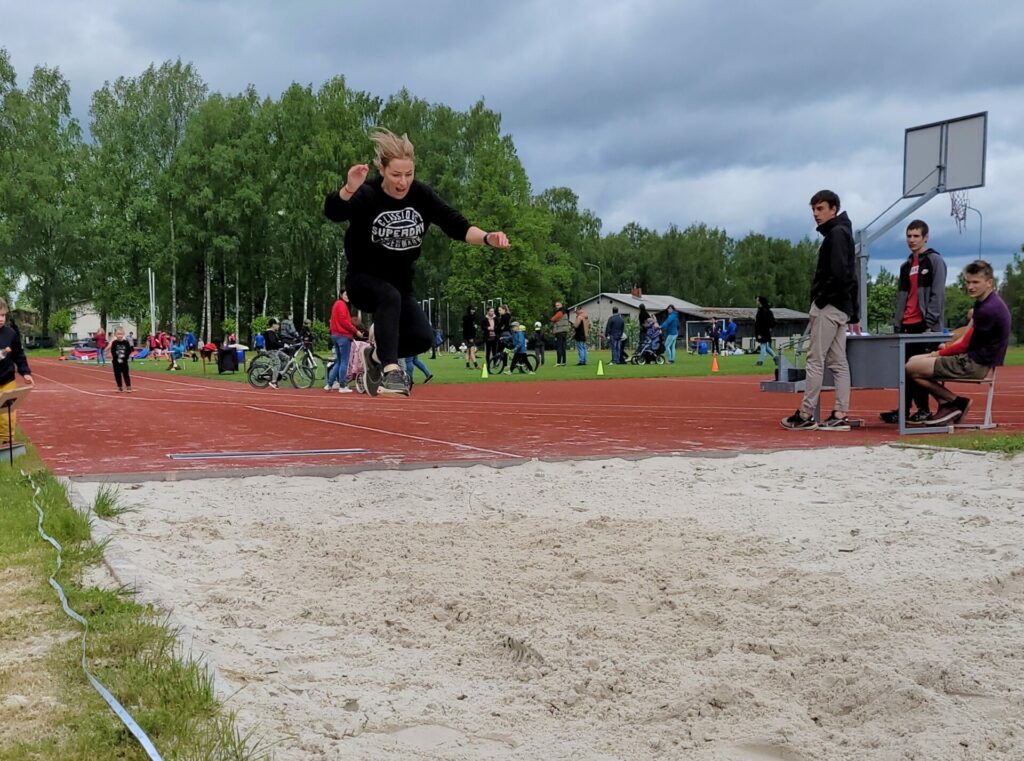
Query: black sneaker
(835, 423)
(394, 382)
(963, 404)
(428, 379)
(949, 413)
(892, 417)
(372, 372)
(921, 417)
(797, 422)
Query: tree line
(221, 196)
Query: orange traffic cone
(714, 364)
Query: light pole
(600, 314)
(981, 222)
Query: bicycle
(300, 371)
(503, 358)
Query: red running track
(83, 427)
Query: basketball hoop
(958, 203)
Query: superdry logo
(398, 230)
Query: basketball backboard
(947, 155)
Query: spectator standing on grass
(560, 327)
(12, 360)
(388, 217)
(489, 327)
(538, 343)
(614, 329)
(729, 338)
(120, 355)
(100, 337)
(504, 325)
(411, 362)
(764, 321)
(343, 331)
(469, 334)
(835, 307)
(670, 332)
(581, 329)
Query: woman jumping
(388, 216)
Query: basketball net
(958, 203)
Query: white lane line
(387, 433)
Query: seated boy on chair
(985, 348)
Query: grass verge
(1008, 444)
(48, 710)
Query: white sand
(836, 604)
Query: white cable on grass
(115, 706)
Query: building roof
(745, 313)
(659, 303)
(653, 302)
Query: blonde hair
(390, 147)
(3, 304)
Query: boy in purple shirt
(986, 348)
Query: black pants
(400, 327)
(121, 374)
(915, 393)
(560, 348)
(490, 349)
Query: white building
(85, 321)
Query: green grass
(131, 649)
(451, 368)
(108, 503)
(1007, 443)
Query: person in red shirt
(920, 308)
(100, 337)
(343, 330)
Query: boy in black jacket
(12, 359)
(836, 304)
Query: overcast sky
(655, 111)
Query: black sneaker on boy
(835, 423)
(797, 422)
(950, 412)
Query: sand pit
(832, 604)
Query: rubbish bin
(702, 347)
(227, 360)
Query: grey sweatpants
(827, 348)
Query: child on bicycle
(275, 350)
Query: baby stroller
(651, 347)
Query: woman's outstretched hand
(356, 177)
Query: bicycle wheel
(496, 364)
(531, 363)
(260, 372)
(302, 376)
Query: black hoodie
(12, 356)
(835, 276)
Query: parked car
(39, 342)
